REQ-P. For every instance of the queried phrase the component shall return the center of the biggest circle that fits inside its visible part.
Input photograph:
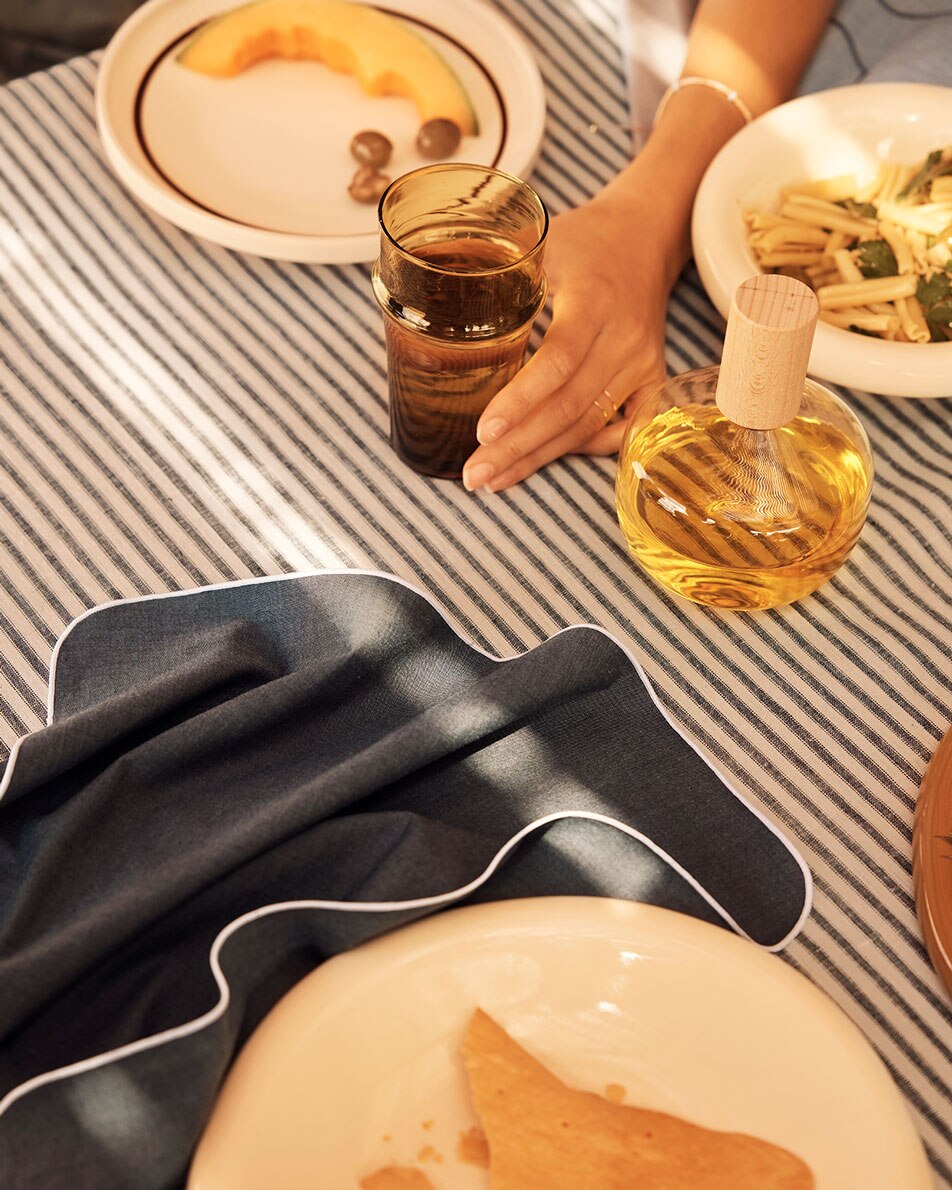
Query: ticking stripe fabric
(174, 415)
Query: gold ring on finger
(606, 406)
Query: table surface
(175, 415)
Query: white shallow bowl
(841, 131)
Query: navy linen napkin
(328, 741)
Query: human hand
(610, 278)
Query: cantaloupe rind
(383, 53)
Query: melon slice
(383, 53)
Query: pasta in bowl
(847, 189)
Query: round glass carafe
(734, 517)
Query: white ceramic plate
(845, 130)
(358, 1066)
(261, 163)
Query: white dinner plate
(260, 163)
(358, 1067)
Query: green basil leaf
(922, 175)
(862, 210)
(877, 259)
(935, 291)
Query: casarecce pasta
(878, 253)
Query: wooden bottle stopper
(766, 351)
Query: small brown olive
(371, 148)
(367, 185)
(438, 138)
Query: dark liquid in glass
(438, 387)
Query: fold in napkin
(326, 740)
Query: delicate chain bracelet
(696, 81)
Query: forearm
(758, 47)
(760, 50)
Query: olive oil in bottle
(745, 486)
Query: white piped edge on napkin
(213, 1014)
(224, 988)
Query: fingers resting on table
(604, 348)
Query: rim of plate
(517, 153)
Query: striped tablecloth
(174, 415)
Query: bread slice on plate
(543, 1135)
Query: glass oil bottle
(745, 486)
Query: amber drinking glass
(459, 279)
